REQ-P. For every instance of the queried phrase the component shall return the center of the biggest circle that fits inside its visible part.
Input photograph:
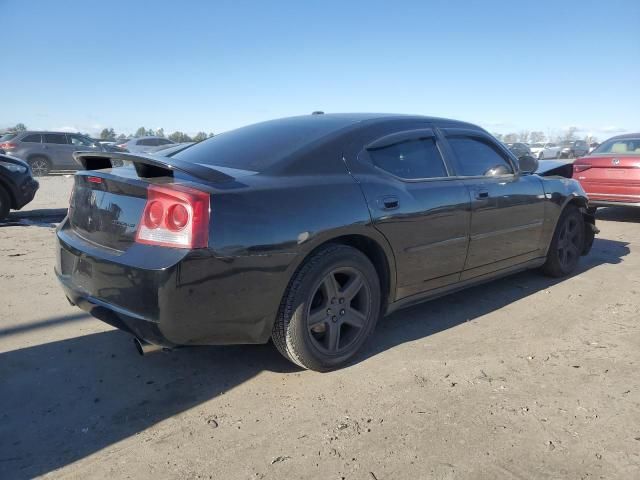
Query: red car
(611, 174)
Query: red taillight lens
(175, 216)
(580, 168)
(8, 146)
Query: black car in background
(519, 149)
(573, 149)
(306, 230)
(17, 186)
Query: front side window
(80, 141)
(56, 138)
(33, 138)
(164, 141)
(477, 158)
(411, 159)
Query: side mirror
(528, 164)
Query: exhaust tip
(145, 348)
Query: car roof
(626, 135)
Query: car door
(78, 143)
(57, 148)
(422, 211)
(508, 208)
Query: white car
(545, 150)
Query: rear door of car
(79, 143)
(29, 145)
(414, 202)
(508, 209)
(57, 148)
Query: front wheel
(567, 244)
(330, 308)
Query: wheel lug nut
(342, 300)
(341, 312)
(329, 312)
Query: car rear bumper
(172, 297)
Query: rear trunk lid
(106, 205)
(614, 177)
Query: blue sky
(213, 66)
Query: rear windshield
(7, 136)
(620, 145)
(262, 145)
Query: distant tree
(537, 137)
(122, 137)
(569, 133)
(160, 132)
(150, 133)
(20, 127)
(107, 134)
(497, 135)
(200, 136)
(211, 134)
(141, 132)
(523, 136)
(510, 138)
(179, 137)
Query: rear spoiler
(149, 166)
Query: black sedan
(306, 230)
(17, 186)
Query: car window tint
(57, 138)
(411, 159)
(164, 141)
(145, 142)
(33, 138)
(478, 158)
(80, 141)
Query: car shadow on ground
(619, 214)
(62, 401)
(46, 217)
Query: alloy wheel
(339, 310)
(569, 243)
(39, 167)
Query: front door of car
(508, 208)
(79, 143)
(421, 210)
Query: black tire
(40, 166)
(321, 324)
(592, 210)
(567, 244)
(5, 203)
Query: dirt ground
(522, 378)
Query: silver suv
(146, 144)
(46, 151)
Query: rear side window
(164, 141)
(7, 136)
(477, 158)
(55, 138)
(33, 138)
(411, 159)
(148, 142)
(80, 141)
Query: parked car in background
(519, 149)
(146, 144)
(46, 151)
(545, 150)
(305, 230)
(573, 149)
(171, 149)
(611, 174)
(593, 146)
(17, 186)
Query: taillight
(581, 168)
(8, 145)
(175, 216)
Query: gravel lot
(525, 377)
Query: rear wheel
(5, 203)
(40, 166)
(567, 244)
(329, 310)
